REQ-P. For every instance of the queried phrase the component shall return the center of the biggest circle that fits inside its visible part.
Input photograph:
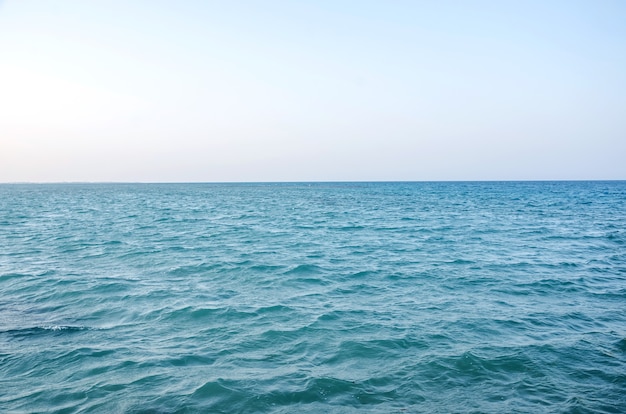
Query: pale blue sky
(312, 90)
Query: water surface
(323, 297)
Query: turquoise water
(316, 298)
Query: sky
(338, 90)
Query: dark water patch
(350, 228)
(77, 355)
(267, 268)
(10, 276)
(543, 287)
(275, 310)
(52, 330)
(218, 396)
(190, 360)
(191, 314)
(191, 270)
(460, 262)
(306, 282)
(327, 390)
(364, 274)
(372, 352)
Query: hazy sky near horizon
(122, 90)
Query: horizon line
(310, 181)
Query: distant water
(494, 297)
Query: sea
(347, 297)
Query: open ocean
(442, 297)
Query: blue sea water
(448, 297)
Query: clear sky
(122, 90)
